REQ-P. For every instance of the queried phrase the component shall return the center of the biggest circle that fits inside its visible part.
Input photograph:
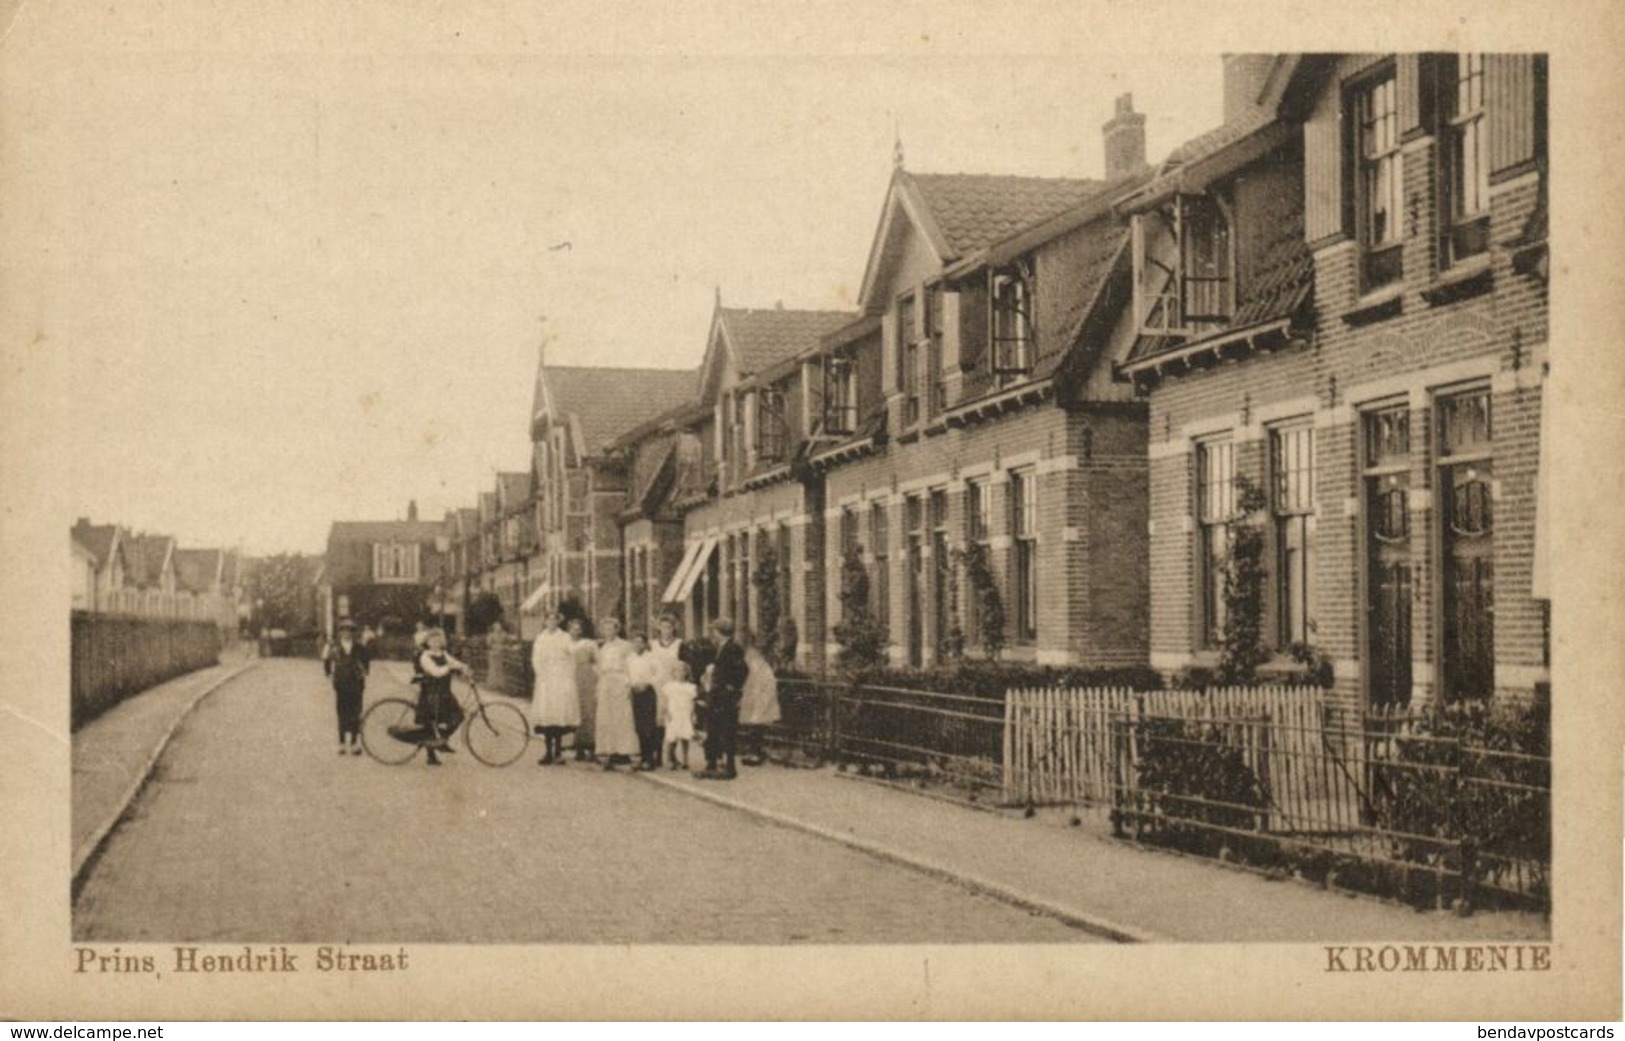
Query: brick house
(715, 489)
(1340, 298)
(985, 415)
(970, 399)
(380, 573)
(581, 483)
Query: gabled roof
(383, 531)
(761, 339)
(513, 488)
(606, 402)
(959, 214)
(99, 539)
(145, 556)
(976, 210)
(197, 570)
(231, 569)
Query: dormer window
(1465, 228)
(908, 341)
(840, 395)
(1379, 183)
(1011, 305)
(772, 427)
(1183, 267)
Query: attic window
(1011, 306)
(1182, 267)
(772, 433)
(840, 395)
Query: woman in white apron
(616, 739)
(555, 707)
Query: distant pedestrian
(647, 673)
(617, 735)
(346, 661)
(678, 696)
(724, 687)
(586, 657)
(671, 651)
(759, 704)
(555, 705)
(438, 712)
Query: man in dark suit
(722, 693)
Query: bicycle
(494, 731)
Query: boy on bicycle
(439, 714)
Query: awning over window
(1539, 587)
(535, 599)
(695, 569)
(676, 583)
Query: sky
(295, 269)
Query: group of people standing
(620, 702)
(638, 701)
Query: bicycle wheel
(497, 733)
(379, 726)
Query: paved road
(255, 830)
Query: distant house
(581, 483)
(99, 552)
(381, 573)
(207, 589)
(150, 573)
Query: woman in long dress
(586, 652)
(555, 706)
(617, 738)
(759, 707)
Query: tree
(1242, 641)
(862, 636)
(283, 590)
(766, 580)
(984, 589)
(484, 611)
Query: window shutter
(973, 326)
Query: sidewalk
(114, 753)
(1080, 875)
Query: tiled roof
(1284, 282)
(609, 401)
(98, 538)
(1202, 146)
(144, 558)
(196, 569)
(383, 531)
(763, 338)
(976, 210)
(1089, 270)
(515, 487)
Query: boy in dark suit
(347, 661)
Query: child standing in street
(346, 662)
(679, 695)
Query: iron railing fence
(1392, 803)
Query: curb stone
(1090, 923)
(85, 854)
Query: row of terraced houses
(1337, 299)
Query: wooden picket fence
(1069, 745)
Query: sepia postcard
(951, 511)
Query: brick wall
(1361, 357)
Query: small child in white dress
(679, 696)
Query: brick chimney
(1244, 79)
(1125, 139)
(412, 510)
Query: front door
(1389, 585)
(1390, 577)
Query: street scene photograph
(738, 500)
